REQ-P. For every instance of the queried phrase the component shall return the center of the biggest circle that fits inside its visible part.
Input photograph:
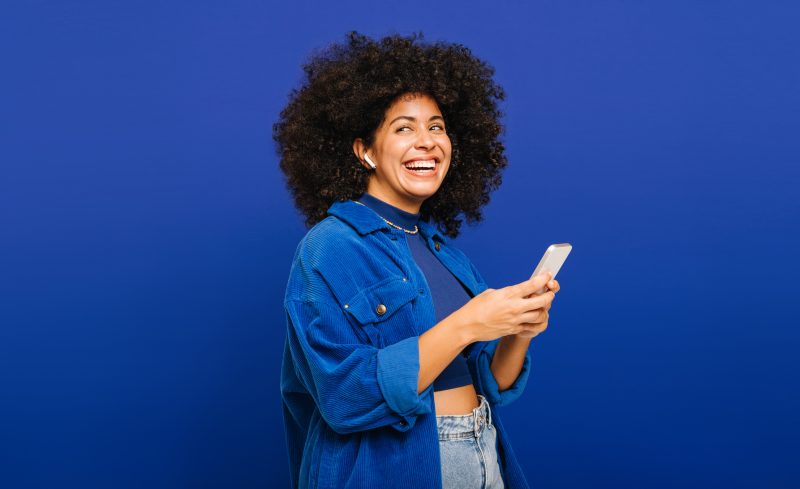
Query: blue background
(146, 235)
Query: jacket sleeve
(479, 361)
(356, 386)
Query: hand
(508, 311)
(534, 328)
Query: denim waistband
(452, 427)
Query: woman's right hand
(501, 312)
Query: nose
(425, 140)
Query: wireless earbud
(370, 162)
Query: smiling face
(411, 152)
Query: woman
(397, 352)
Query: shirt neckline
(387, 211)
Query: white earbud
(369, 161)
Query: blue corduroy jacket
(352, 414)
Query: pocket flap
(380, 301)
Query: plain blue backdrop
(146, 235)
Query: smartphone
(552, 260)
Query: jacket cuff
(481, 360)
(398, 378)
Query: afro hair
(345, 93)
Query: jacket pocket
(383, 309)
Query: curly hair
(345, 94)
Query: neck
(411, 206)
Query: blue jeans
(468, 448)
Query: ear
(359, 148)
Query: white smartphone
(551, 261)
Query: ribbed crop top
(447, 292)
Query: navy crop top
(447, 292)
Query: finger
(553, 285)
(534, 327)
(545, 316)
(533, 317)
(530, 286)
(536, 302)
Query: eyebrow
(433, 117)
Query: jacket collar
(429, 231)
(365, 220)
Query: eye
(400, 129)
(439, 126)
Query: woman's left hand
(533, 329)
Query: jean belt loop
(479, 416)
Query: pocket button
(381, 309)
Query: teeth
(421, 165)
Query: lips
(422, 166)
(422, 162)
